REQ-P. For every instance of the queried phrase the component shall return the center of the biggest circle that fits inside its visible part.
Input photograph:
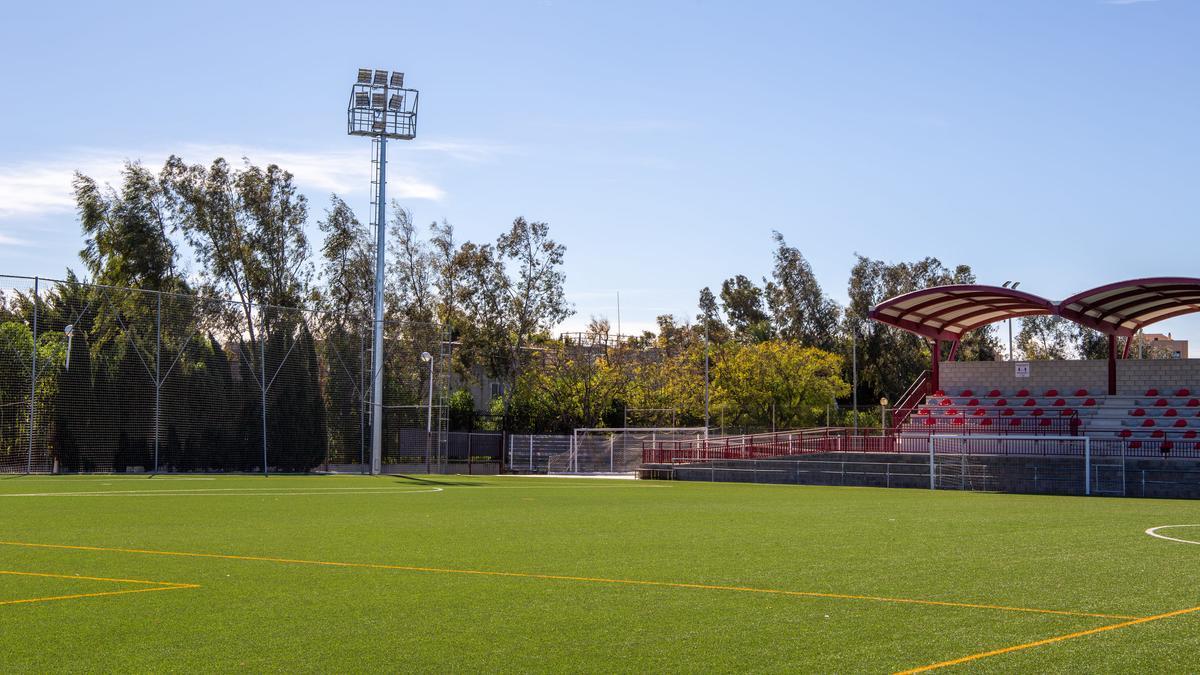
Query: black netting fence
(103, 379)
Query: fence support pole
(1087, 465)
(262, 363)
(33, 359)
(932, 486)
(157, 375)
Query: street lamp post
(428, 358)
(381, 108)
(854, 377)
(1010, 341)
(883, 404)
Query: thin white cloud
(42, 187)
(7, 240)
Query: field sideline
(323, 573)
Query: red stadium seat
(979, 412)
(1023, 392)
(1037, 412)
(1180, 423)
(1030, 402)
(1090, 402)
(1183, 393)
(1161, 403)
(1059, 402)
(946, 401)
(1193, 403)
(1044, 423)
(994, 393)
(929, 421)
(1137, 412)
(967, 392)
(1014, 422)
(1125, 433)
(1152, 392)
(987, 422)
(1157, 433)
(952, 411)
(1189, 434)
(1134, 445)
(972, 403)
(1067, 412)
(1000, 402)
(1051, 393)
(1007, 412)
(1081, 392)
(958, 421)
(939, 392)
(923, 412)
(1166, 446)
(1147, 422)
(1171, 412)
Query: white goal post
(616, 450)
(964, 445)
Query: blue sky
(1051, 141)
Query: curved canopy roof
(947, 312)
(1126, 307)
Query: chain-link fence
(103, 379)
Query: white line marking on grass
(230, 492)
(104, 479)
(1153, 532)
(560, 487)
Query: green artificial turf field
(467, 573)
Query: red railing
(1053, 423)
(911, 399)
(837, 439)
(762, 446)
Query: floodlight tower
(380, 107)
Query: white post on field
(1087, 465)
(932, 485)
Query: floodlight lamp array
(381, 106)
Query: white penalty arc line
(1153, 532)
(230, 492)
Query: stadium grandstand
(1127, 426)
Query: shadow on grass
(413, 480)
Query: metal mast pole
(157, 376)
(854, 357)
(429, 416)
(377, 350)
(706, 378)
(262, 373)
(33, 379)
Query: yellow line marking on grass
(77, 576)
(560, 577)
(157, 586)
(1047, 641)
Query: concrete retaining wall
(1169, 478)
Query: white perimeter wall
(1133, 376)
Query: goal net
(615, 450)
(982, 462)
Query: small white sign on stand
(1022, 369)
